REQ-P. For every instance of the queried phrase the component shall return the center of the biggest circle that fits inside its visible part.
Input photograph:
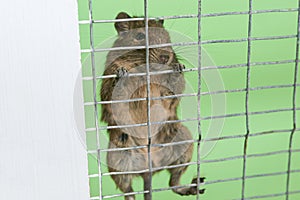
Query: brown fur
(122, 63)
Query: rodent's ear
(122, 26)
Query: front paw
(122, 72)
(178, 67)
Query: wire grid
(92, 50)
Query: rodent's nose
(164, 59)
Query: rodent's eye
(140, 36)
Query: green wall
(222, 54)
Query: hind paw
(193, 189)
(202, 179)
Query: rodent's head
(132, 33)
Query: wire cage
(258, 149)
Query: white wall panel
(41, 154)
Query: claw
(122, 72)
(178, 67)
(202, 179)
(193, 190)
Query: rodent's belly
(137, 160)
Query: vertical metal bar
(148, 95)
(95, 96)
(294, 107)
(199, 99)
(247, 98)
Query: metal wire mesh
(199, 69)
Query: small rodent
(124, 64)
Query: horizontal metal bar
(91, 129)
(252, 12)
(87, 78)
(143, 146)
(194, 163)
(192, 119)
(193, 94)
(145, 124)
(232, 136)
(124, 148)
(251, 64)
(139, 47)
(124, 194)
(94, 198)
(249, 156)
(273, 37)
(190, 16)
(205, 183)
(249, 177)
(145, 170)
(250, 113)
(272, 195)
(154, 190)
(190, 43)
(251, 39)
